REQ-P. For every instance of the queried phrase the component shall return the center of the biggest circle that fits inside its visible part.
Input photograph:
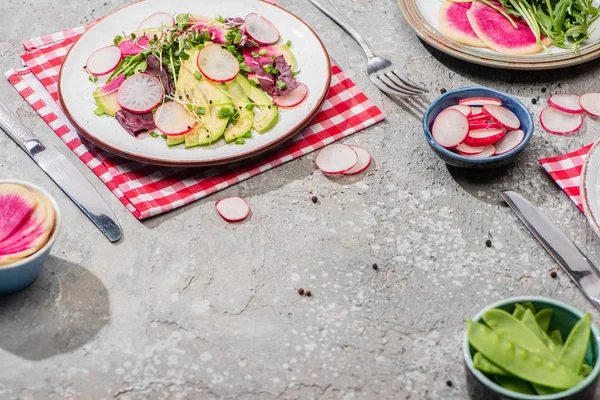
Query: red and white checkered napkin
(148, 190)
(566, 172)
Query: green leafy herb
(274, 71)
(118, 39)
(245, 68)
(163, 136)
(295, 74)
(226, 112)
(248, 135)
(267, 68)
(263, 52)
(288, 44)
(200, 110)
(198, 75)
(250, 106)
(253, 82)
(281, 85)
(220, 19)
(183, 20)
(99, 111)
(255, 55)
(154, 134)
(93, 78)
(240, 141)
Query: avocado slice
(175, 140)
(107, 103)
(269, 114)
(245, 115)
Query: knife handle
(19, 132)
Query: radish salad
(192, 79)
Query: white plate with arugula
(192, 83)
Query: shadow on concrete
(484, 185)
(61, 311)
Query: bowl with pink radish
(477, 127)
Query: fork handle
(345, 25)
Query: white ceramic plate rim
(590, 186)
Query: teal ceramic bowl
(19, 275)
(564, 318)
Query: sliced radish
(476, 111)
(217, 64)
(590, 102)
(487, 152)
(467, 150)
(480, 101)
(559, 122)
(157, 20)
(502, 116)
(140, 93)
(509, 142)
(479, 118)
(103, 61)
(363, 161)
(336, 159)
(261, 30)
(233, 209)
(293, 98)
(566, 102)
(466, 110)
(450, 128)
(483, 125)
(173, 119)
(484, 137)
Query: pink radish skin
(483, 125)
(590, 103)
(261, 30)
(140, 93)
(488, 151)
(453, 23)
(217, 64)
(559, 122)
(336, 159)
(509, 142)
(467, 150)
(233, 209)
(484, 137)
(566, 102)
(294, 98)
(480, 101)
(173, 119)
(503, 116)
(476, 111)
(466, 110)
(362, 162)
(450, 128)
(157, 20)
(103, 61)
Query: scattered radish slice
(103, 61)
(466, 110)
(590, 103)
(511, 140)
(173, 119)
(261, 30)
(480, 101)
(217, 64)
(140, 93)
(157, 20)
(363, 161)
(467, 150)
(233, 209)
(566, 102)
(487, 152)
(293, 98)
(336, 159)
(502, 116)
(484, 137)
(483, 125)
(450, 128)
(559, 122)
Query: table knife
(64, 174)
(580, 269)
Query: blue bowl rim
(485, 160)
(510, 394)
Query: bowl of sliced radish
(477, 127)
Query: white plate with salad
(194, 83)
(510, 34)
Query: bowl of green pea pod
(532, 348)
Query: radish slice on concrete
(103, 61)
(466, 110)
(484, 137)
(217, 64)
(173, 119)
(590, 102)
(566, 102)
(510, 141)
(487, 152)
(476, 125)
(502, 116)
(233, 209)
(140, 93)
(450, 128)
(157, 20)
(467, 150)
(480, 101)
(293, 98)
(336, 159)
(362, 162)
(261, 30)
(559, 122)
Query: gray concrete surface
(189, 307)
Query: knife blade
(64, 174)
(567, 255)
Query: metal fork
(381, 71)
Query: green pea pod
(557, 338)
(519, 311)
(586, 370)
(514, 384)
(542, 390)
(543, 318)
(519, 361)
(530, 322)
(515, 331)
(486, 366)
(530, 306)
(575, 347)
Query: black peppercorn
(534, 101)
(314, 199)
(300, 291)
(449, 383)
(543, 90)
(443, 90)
(488, 243)
(375, 267)
(308, 293)
(553, 274)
